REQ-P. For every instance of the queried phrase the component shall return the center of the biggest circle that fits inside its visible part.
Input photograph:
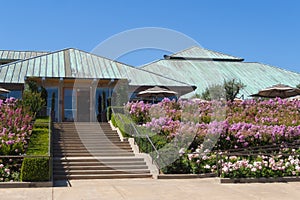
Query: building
(81, 81)
(78, 80)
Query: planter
(185, 176)
(25, 184)
(260, 180)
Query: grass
(42, 120)
(39, 140)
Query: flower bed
(15, 129)
(234, 125)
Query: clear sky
(266, 31)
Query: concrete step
(85, 164)
(101, 176)
(87, 139)
(91, 147)
(76, 131)
(98, 159)
(86, 136)
(64, 154)
(91, 151)
(85, 133)
(96, 128)
(80, 130)
(86, 172)
(57, 167)
(109, 147)
(99, 142)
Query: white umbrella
(157, 92)
(279, 90)
(2, 90)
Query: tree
(33, 97)
(232, 88)
(298, 86)
(229, 90)
(214, 92)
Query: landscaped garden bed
(21, 140)
(247, 139)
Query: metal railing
(130, 129)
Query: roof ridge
(283, 69)
(25, 51)
(150, 63)
(103, 57)
(209, 50)
(185, 50)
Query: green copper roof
(255, 76)
(19, 55)
(198, 53)
(73, 63)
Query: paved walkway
(157, 189)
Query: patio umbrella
(157, 92)
(279, 90)
(2, 90)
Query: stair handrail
(137, 133)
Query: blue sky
(266, 31)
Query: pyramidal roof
(199, 53)
(204, 73)
(74, 63)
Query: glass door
(83, 105)
(76, 105)
(69, 110)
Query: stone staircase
(84, 150)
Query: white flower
(204, 157)
(253, 169)
(233, 158)
(225, 169)
(182, 151)
(207, 167)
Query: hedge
(35, 169)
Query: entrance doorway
(83, 105)
(76, 104)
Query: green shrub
(41, 125)
(42, 120)
(35, 169)
(122, 124)
(180, 166)
(228, 90)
